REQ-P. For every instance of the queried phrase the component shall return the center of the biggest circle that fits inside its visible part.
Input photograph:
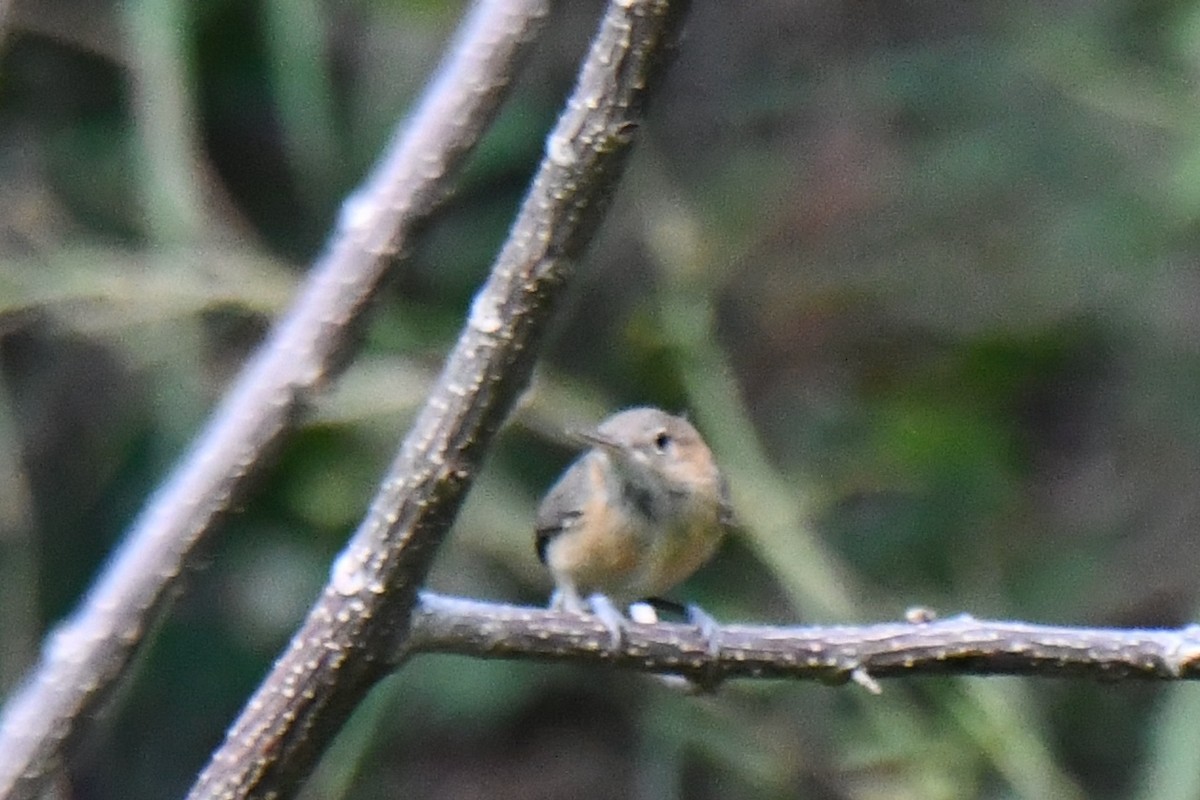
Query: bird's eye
(662, 441)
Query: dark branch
(958, 645)
(362, 617)
(85, 657)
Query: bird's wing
(560, 508)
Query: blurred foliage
(926, 274)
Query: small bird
(642, 509)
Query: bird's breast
(679, 548)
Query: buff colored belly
(629, 559)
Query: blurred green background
(927, 275)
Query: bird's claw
(612, 619)
(711, 633)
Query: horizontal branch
(920, 646)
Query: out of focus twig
(83, 660)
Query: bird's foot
(710, 631)
(611, 617)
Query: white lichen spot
(349, 574)
(69, 643)
(358, 213)
(1184, 652)
(559, 151)
(920, 615)
(485, 313)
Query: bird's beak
(618, 452)
(596, 439)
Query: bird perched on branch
(642, 509)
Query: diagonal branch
(362, 616)
(85, 657)
(956, 645)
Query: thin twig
(860, 653)
(86, 655)
(362, 616)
